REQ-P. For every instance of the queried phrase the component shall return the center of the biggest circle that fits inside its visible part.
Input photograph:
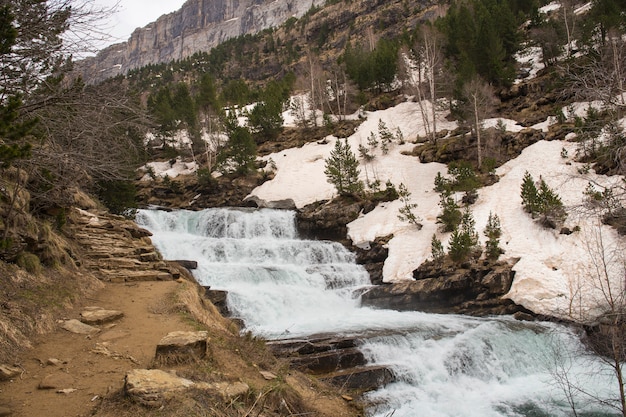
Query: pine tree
(386, 137)
(406, 211)
(464, 239)
(550, 204)
(437, 249)
(529, 194)
(451, 215)
(342, 169)
(493, 232)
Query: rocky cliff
(199, 25)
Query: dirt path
(94, 365)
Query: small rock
(57, 380)
(268, 375)
(8, 372)
(75, 326)
(54, 362)
(66, 391)
(347, 397)
(521, 316)
(100, 316)
(5, 411)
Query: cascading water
(445, 365)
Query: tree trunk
(477, 127)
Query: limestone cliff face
(199, 25)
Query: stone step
(127, 275)
(182, 347)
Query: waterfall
(445, 365)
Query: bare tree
(602, 78)
(92, 134)
(480, 100)
(598, 300)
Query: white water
(445, 365)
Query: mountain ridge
(198, 25)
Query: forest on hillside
(59, 134)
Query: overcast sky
(132, 14)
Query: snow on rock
(552, 272)
(171, 169)
(300, 171)
(555, 5)
(530, 59)
(507, 124)
(553, 268)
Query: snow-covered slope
(554, 274)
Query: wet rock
(100, 316)
(190, 265)
(363, 378)
(182, 347)
(329, 361)
(219, 299)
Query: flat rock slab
(100, 316)
(152, 387)
(8, 372)
(57, 381)
(78, 327)
(182, 347)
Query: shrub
(30, 262)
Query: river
(444, 365)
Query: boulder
(100, 316)
(328, 219)
(182, 347)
